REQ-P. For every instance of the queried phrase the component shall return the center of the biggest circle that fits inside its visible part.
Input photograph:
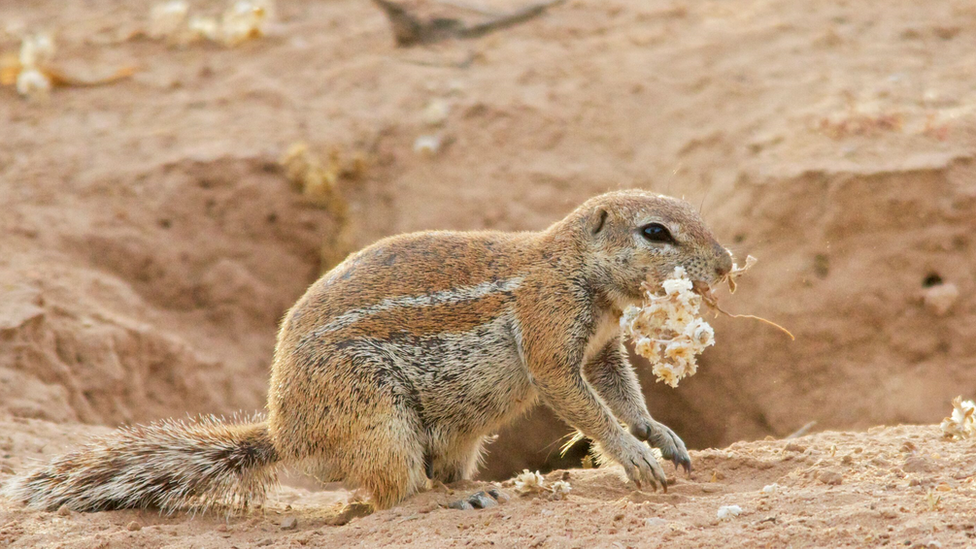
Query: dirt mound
(155, 296)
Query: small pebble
(436, 112)
(460, 505)
(500, 496)
(482, 501)
(264, 543)
(832, 478)
(728, 511)
(133, 526)
(427, 145)
(289, 523)
(64, 511)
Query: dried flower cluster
(529, 482)
(29, 70)
(962, 423)
(667, 329)
(559, 489)
(241, 21)
(728, 512)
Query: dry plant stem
(60, 78)
(710, 300)
(410, 30)
(802, 430)
(507, 20)
(467, 7)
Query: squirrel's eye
(655, 232)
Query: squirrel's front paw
(642, 467)
(661, 436)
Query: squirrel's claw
(660, 436)
(480, 500)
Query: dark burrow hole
(932, 279)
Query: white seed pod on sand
(166, 19)
(33, 84)
(726, 512)
(436, 112)
(962, 423)
(560, 489)
(529, 482)
(203, 27)
(245, 19)
(427, 145)
(36, 50)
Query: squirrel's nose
(723, 264)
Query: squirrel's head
(633, 236)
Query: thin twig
(801, 431)
(507, 20)
(409, 30)
(467, 7)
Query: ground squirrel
(396, 365)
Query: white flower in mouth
(700, 332)
(647, 348)
(667, 328)
(676, 285)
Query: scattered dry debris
(318, 182)
(861, 124)
(962, 423)
(427, 145)
(802, 430)
(241, 21)
(727, 512)
(436, 112)
(529, 482)
(344, 513)
(559, 490)
(410, 29)
(33, 73)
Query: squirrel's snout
(723, 265)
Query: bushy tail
(169, 465)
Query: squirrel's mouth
(703, 288)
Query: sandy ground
(889, 486)
(149, 240)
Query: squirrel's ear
(597, 219)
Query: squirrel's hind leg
(459, 460)
(387, 460)
(454, 460)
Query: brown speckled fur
(397, 364)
